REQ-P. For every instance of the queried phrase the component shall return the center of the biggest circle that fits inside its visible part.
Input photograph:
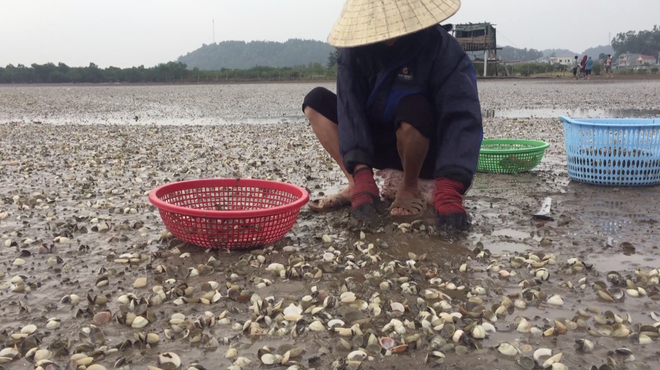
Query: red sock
(447, 198)
(365, 191)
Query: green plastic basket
(510, 156)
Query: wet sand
(75, 157)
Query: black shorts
(416, 110)
(574, 71)
(587, 71)
(608, 69)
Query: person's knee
(320, 102)
(317, 97)
(406, 130)
(312, 114)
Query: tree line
(174, 72)
(642, 42)
(511, 53)
(171, 72)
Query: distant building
(646, 59)
(630, 60)
(627, 59)
(565, 61)
(478, 39)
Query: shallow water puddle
(145, 120)
(515, 234)
(507, 247)
(605, 262)
(401, 246)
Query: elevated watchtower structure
(478, 38)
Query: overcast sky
(146, 32)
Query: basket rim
(539, 146)
(612, 122)
(215, 182)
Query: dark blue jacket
(436, 66)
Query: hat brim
(364, 22)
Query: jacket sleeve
(460, 128)
(355, 143)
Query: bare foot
(330, 201)
(393, 180)
(403, 194)
(333, 202)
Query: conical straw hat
(364, 22)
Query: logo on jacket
(405, 74)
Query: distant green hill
(558, 52)
(596, 51)
(242, 55)
(593, 52)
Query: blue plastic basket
(613, 152)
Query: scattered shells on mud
(89, 277)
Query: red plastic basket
(229, 213)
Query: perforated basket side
(229, 214)
(613, 152)
(510, 156)
(236, 233)
(509, 163)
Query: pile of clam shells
(399, 308)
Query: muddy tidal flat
(91, 279)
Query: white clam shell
(140, 282)
(96, 367)
(457, 335)
(29, 329)
(507, 349)
(335, 323)
(231, 353)
(396, 306)
(490, 328)
(268, 359)
(348, 297)
(524, 326)
(542, 352)
(556, 300)
(169, 358)
(317, 326)
(548, 363)
(139, 322)
(357, 356)
(293, 310)
(479, 332)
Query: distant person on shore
(608, 67)
(575, 67)
(583, 67)
(406, 100)
(588, 67)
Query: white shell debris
(556, 300)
